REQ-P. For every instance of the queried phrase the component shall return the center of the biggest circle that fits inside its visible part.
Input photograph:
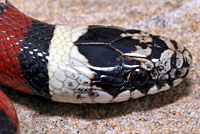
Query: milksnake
(89, 64)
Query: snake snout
(187, 58)
(181, 64)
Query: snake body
(90, 64)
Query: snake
(86, 64)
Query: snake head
(149, 64)
(130, 63)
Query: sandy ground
(174, 111)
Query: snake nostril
(178, 74)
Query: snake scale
(88, 64)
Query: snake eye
(139, 77)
